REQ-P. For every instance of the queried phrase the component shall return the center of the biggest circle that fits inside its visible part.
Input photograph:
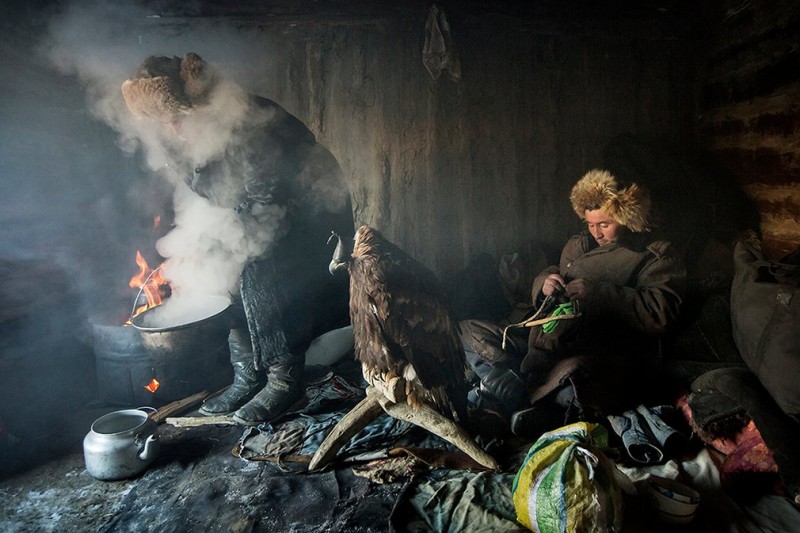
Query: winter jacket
(637, 287)
(288, 188)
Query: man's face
(603, 228)
(173, 125)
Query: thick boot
(500, 390)
(283, 391)
(247, 381)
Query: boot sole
(302, 402)
(214, 413)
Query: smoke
(102, 43)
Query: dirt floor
(195, 484)
(201, 482)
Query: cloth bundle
(646, 436)
(765, 312)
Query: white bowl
(675, 502)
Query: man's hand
(578, 289)
(553, 284)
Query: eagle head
(340, 258)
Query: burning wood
(178, 406)
(153, 385)
(151, 284)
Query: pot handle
(146, 407)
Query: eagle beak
(339, 259)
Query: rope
(565, 311)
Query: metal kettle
(121, 444)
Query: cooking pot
(169, 337)
(121, 444)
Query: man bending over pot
(245, 153)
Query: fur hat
(598, 189)
(166, 87)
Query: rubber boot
(284, 390)
(247, 381)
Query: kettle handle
(148, 450)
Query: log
(178, 406)
(196, 421)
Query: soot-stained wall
(749, 108)
(449, 168)
(459, 131)
(479, 159)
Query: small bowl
(675, 502)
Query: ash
(195, 484)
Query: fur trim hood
(598, 189)
(167, 87)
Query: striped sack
(567, 484)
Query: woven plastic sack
(567, 484)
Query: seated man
(627, 287)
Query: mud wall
(749, 108)
(456, 166)
(475, 157)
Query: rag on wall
(439, 51)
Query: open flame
(151, 284)
(153, 385)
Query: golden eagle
(408, 345)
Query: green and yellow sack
(566, 483)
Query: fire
(151, 284)
(153, 385)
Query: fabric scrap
(457, 501)
(392, 469)
(439, 51)
(638, 440)
(672, 441)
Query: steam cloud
(102, 43)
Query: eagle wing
(402, 317)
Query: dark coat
(638, 285)
(279, 180)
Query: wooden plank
(197, 421)
(179, 406)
